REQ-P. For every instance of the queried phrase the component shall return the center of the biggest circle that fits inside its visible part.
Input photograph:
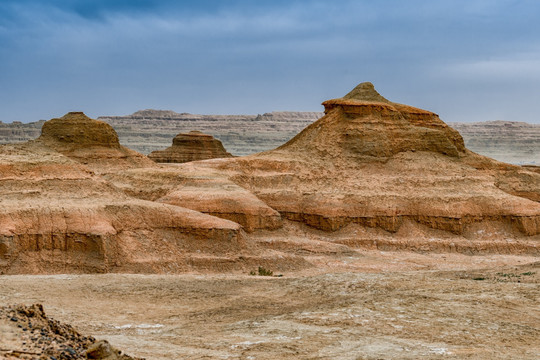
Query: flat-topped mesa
(77, 129)
(191, 146)
(152, 114)
(364, 123)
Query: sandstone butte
(371, 174)
(191, 146)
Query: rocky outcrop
(57, 215)
(188, 147)
(91, 142)
(380, 164)
(27, 332)
(204, 191)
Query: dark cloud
(467, 60)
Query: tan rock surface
(59, 214)
(91, 142)
(380, 305)
(381, 165)
(191, 146)
(369, 174)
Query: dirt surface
(26, 332)
(429, 306)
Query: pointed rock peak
(365, 92)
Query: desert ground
(397, 305)
(372, 234)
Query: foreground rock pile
(27, 333)
(188, 147)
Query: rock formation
(188, 147)
(91, 142)
(58, 214)
(149, 130)
(385, 165)
(28, 333)
(370, 173)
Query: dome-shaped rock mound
(77, 129)
(91, 142)
(191, 146)
(363, 124)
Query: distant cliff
(508, 141)
(149, 130)
(17, 131)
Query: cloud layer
(466, 60)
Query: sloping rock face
(91, 142)
(388, 166)
(57, 215)
(188, 147)
(70, 204)
(364, 124)
(58, 212)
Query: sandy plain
(394, 305)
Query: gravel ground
(476, 313)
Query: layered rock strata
(58, 213)
(509, 141)
(381, 164)
(88, 141)
(191, 146)
(149, 130)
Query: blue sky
(467, 60)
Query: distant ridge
(147, 130)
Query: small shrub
(265, 272)
(262, 272)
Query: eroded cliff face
(59, 213)
(371, 173)
(191, 146)
(150, 130)
(509, 141)
(380, 165)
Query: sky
(467, 60)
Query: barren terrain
(145, 131)
(374, 233)
(401, 306)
